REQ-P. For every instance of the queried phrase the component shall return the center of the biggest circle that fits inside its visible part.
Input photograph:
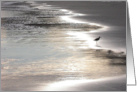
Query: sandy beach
(49, 46)
(88, 85)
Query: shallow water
(45, 43)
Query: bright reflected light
(76, 85)
(71, 12)
(104, 28)
(63, 85)
(70, 20)
(82, 36)
(64, 10)
(78, 14)
(40, 7)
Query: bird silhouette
(97, 39)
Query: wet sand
(88, 85)
(44, 44)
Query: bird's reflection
(97, 39)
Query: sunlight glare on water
(88, 42)
(44, 44)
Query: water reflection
(87, 85)
(42, 44)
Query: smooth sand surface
(107, 84)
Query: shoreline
(36, 53)
(105, 84)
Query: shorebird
(97, 39)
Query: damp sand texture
(46, 43)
